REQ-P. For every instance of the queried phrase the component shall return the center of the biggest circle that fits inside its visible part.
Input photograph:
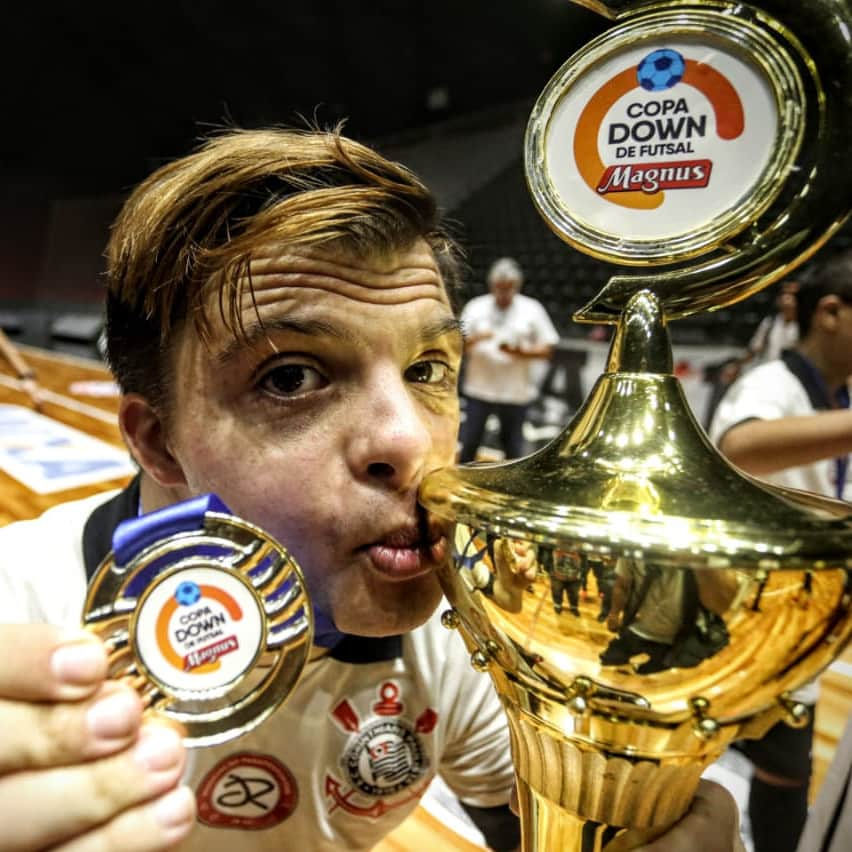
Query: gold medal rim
(116, 626)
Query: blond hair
(194, 224)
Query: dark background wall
(96, 94)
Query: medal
(204, 614)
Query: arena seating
(500, 219)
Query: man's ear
(145, 436)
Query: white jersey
(350, 753)
(770, 392)
(496, 376)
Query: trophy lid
(635, 474)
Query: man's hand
(529, 350)
(472, 339)
(711, 825)
(79, 772)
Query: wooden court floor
(66, 401)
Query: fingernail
(175, 810)
(159, 748)
(79, 663)
(115, 716)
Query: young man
(788, 421)
(279, 319)
(507, 336)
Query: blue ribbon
(131, 537)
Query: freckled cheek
(444, 437)
(240, 472)
(286, 493)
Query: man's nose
(392, 438)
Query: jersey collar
(812, 381)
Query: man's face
(504, 290)
(787, 300)
(322, 427)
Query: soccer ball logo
(187, 593)
(660, 70)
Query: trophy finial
(641, 343)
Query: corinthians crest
(384, 757)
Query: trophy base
(545, 826)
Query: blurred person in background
(507, 336)
(777, 331)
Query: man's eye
(292, 379)
(427, 372)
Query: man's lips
(407, 552)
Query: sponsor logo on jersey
(247, 791)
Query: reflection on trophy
(699, 143)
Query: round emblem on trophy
(662, 139)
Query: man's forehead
(263, 329)
(282, 274)
(378, 264)
(306, 291)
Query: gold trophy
(703, 143)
